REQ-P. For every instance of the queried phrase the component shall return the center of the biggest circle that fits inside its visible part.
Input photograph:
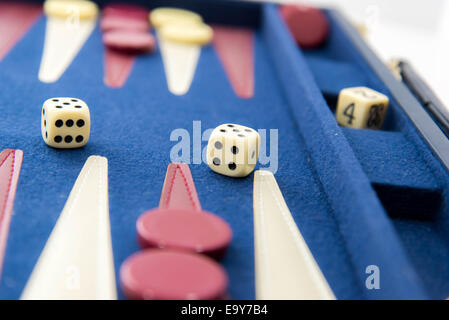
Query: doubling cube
(65, 122)
(233, 150)
(361, 108)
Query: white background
(416, 30)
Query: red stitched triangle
(179, 189)
(117, 67)
(235, 49)
(15, 20)
(10, 163)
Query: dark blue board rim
(243, 13)
(426, 126)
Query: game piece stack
(126, 28)
(125, 35)
(181, 33)
(179, 240)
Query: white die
(233, 150)
(65, 122)
(361, 108)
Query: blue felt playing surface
(342, 186)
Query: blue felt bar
(325, 71)
(389, 158)
(403, 181)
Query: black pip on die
(233, 150)
(65, 122)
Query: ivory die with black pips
(65, 123)
(233, 150)
(361, 108)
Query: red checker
(172, 275)
(126, 40)
(109, 23)
(309, 26)
(196, 231)
(126, 10)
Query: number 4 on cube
(361, 108)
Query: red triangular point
(179, 189)
(15, 20)
(235, 49)
(117, 67)
(10, 164)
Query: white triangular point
(285, 267)
(63, 41)
(180, 61)
(77, 261)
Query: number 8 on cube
(361, 108)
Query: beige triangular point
(63, 40)
(77, 261)
(180, 61)
(285, 267)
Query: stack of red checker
(126, 28)
(178, 240)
